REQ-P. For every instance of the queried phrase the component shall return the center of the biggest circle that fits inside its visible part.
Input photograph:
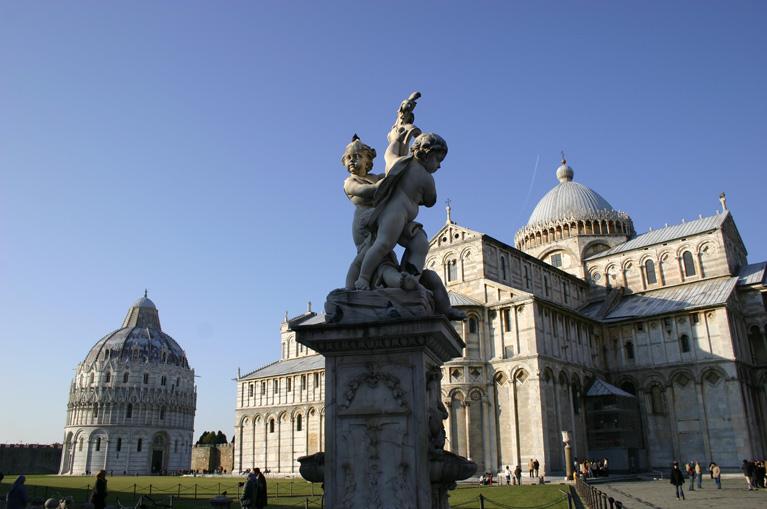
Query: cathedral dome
(568, 199)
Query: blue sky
(192, 148)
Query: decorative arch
(548, 375)
(682, 376)
(712, 375)
(456, 393)
(500, 378)
(563, 378)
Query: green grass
(283, 493)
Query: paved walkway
(660, 494)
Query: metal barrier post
(618, 504)
(150, 489)
(179, 490)
(134, 493)
(195, 491)
(612, 502)
(481, 501)
(306, 503)
(569, 501)
(219, 488)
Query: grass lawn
(283, 493)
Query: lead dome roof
(568, 199)
(140, 339)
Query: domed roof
(140, 339)
(568, 199)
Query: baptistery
(132, 402)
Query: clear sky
(192, 148)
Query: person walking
(248, 492)
(677, 479)
(99, 493)
(716, 473)
(711, 470)
(17, 497)
(508, 475)
(690, 469)
(518, 474)
(699, 475)
(536, 466)
(260, 498)
(748, 472)
(530, 467)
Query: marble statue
(386, 207)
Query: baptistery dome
(132, 401)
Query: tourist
(17, 496)
(536, 466)
(249, 491)
(760, 474)
(711, 470)
(260, 498)
(530, 467)
(508, 475)
(99, 494)
(518, 474)
(690, 469)
(699, 475)
(677, 479)
(748, 472)
(716, 474)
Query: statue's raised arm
(403, 132)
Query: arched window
(90, 378)
(138, 445)
(629, 350)
(95, 411)
(289, 384)
(271, 425)
(98, 444)
(80, 447)
(576, 400)
(684, 342)
(129, 411)
(298, 422)
(452, 270)
(250, 390)
(303, 382)
(107, 377)
(472, 325)
(162, 413)
(125, 377)
(119, 444)
(656, 400)
(649, 269)
(275, 386)
(263, 388)
(689, 264)
(503, 268)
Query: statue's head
(429, 149)
(358, 157)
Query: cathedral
(645, 348)
(132, 402)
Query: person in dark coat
(677, 479)
(17, 497)
(99, 494)
(260, 499)
(249, 492)
(748, 472)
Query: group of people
(254, 494)
(590, 468)
(694, 472)
(513, 476)
(17, 497)
(754, 472)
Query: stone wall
(30, 459)
(208, 458)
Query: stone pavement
(660, 494)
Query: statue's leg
(416, 249)
(390, 226)
(354, 271)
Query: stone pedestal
(383, 416)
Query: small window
(566, 291)
(275, 386)
(503, 268)
(95, 411)
(684, 342)
(452, 270)
(138, 445)
(178, 381)
(527, 276)
(175, 446)
(107, 377)
(649, 270)
(288, 384)
(303, 382)
(125, 377)
(556, 260)
(695, 318)
(546, 285)
(163, 380)
(298, 422)
(162, 413)
(98, 444)
(576, 401)
(316, 379)
(263, 388)
(689, 264)
(657, 400)
(119, 444)
(629, 350)
(506, 314)
(250, 390)
(146, 378)
(129, 411)
(472, 325)
(271, 425)
(640, 326)
(80, 447)
(90, 378)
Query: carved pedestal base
(383, 417)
